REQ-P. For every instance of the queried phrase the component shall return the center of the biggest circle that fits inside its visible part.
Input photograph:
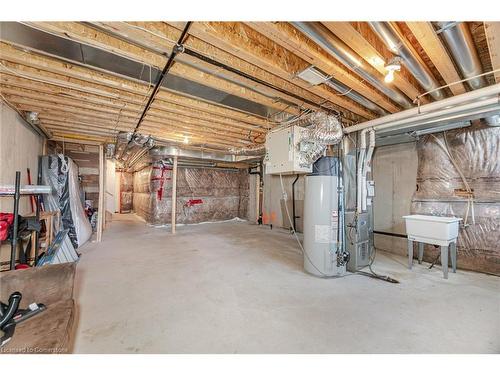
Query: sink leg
(420, 252)
(444, 260)
(410, 253)
(453, 251)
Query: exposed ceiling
(91, 80)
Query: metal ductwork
(461, 45)
(357, 97)
(393, 41)
(344, 54)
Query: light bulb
(186, 139)
(389, 77)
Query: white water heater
(321, 220)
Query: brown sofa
(52, 330)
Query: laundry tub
(433, 230)
(437, 230)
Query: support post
(444, 260)
(100, 215)
(15, 229)
(174, 193)
(257, 198)
(410, 253)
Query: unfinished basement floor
(234, 287)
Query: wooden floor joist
(32, 64)
(161, 37)
(492, 30)
(434, 48)
(259, 50)
(84, 34)
(350, 36)
(81, 102)
(293, 40)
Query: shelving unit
(17, 191)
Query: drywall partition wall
(441, 190)
(395, 175)
(203, 194)
(20, 147)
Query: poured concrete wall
(19, 150)
(395, 175)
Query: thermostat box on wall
(282, 151)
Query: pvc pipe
(426, 109)
(362, 151)
(445, 114)
(366, 166)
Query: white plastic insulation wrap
(440, 191)
(126, 191)
(61, 174)
(203, 194)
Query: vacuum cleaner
(11, 315)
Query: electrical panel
(359, 239)
(283, 151)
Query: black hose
(390, 234)
(14, 300)
(293, 203)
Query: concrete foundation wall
(395, 175)
(19, 150)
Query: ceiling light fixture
(186, 139)
(394, 65)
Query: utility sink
(438, 230)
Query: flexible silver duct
(411, 60)
(461, 45)
(344, 54)
(258, 150)
(324, 130)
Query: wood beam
(492, 30)
(434, 48)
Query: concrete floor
(240, 288)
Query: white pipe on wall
(361, 160)
(450, 105)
